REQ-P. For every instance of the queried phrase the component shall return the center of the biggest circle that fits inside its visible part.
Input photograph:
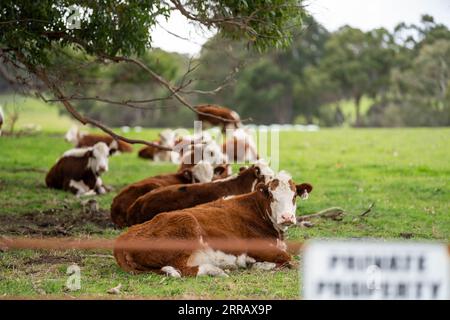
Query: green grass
(405, 172)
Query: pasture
(405, 172)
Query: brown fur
(243, 217)
(129, 194)
(218, 111)
(89, 140)
(148, 152)
(178, 197)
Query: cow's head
(222, 171)
(201, 172)
(73, 135)
(281, 193)
(113, 147)
(167, 137)
(98, 158)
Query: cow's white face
(282, 205)
(73, 135)
(98, 162)
(202, 172)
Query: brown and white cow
(79, 170)
(240, 147)
(265, 214)
(218, 111)
(186, 196)
(167, 138)
(201, 172)
(81, 140)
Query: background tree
(32, 33)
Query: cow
(166, 139)
(2, 119)
(240, 147)
(263, 214)
(81, 140)
(234, 120)
(79, 170)
(183, 196)
(201, 172)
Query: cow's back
(130, 193)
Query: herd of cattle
(201, 201)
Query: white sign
(375, 270)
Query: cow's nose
(287, 219)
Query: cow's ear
(89, 153)
(263, 188)
(242, 168)
(218, 171)
(303, 190)
(187, 174)
(257, 171)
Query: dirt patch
(56, 222)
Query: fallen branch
(335, 213)
(368, 209)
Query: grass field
(405, 172)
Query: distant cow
(186, 196)
(166, 139)
(213, 111)
(2, 119)
(201, 172)
(240, 147)
(82, 139)
(264, 214)
(79, 170)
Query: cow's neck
(245, 179)
(261, 208)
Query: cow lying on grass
(79, 170)
(82, 140)
(201, 172)
(166, 139)
(186, 196)
(213, 113)
(263, 214)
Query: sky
(363, 14)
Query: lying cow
(82, 140)
(79, 170)
(221, 112)
(166, 139)
(201, 172)
(186, 196)
(240, 147)
(263, 214)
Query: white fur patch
(282, 207)
(203, 172)
(210, 270)
(228, 197)
(266, 266)
(73, 135)
(76, 152)
(171, 272)
(82, 188)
